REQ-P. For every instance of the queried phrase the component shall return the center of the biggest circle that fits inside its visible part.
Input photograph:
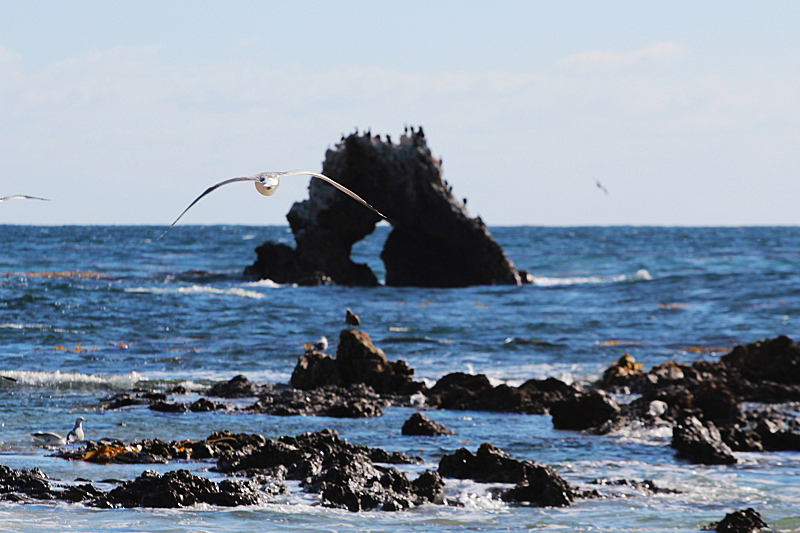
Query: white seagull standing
(22, 197)
(267, 183)
(54, 439)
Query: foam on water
(198, 289)
(640, 275)
(74, 380)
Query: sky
(122, 112)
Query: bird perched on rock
(46, 438)
(351, 319)
(320, 346)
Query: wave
(73, 380)
(197, 289)
(38, 327)
(640, 275)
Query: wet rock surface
(345, 475)
(419, 424)
(462, 391)
(358, 362)
(433, 242)
(746, 521)
(536, 484)
(179, 488)
(703, 401)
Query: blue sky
(123, 112)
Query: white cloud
(604, 58)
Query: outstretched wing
(22, 197)
(339, 186)
(210, 189)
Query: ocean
(87, 311)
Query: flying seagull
(22, 197)
(54, 439)
(600, 186)
(267, 183)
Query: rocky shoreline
(714, 409)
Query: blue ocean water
(86, 311)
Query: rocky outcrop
(701, 443)
(702, 401)
(584, 411)
(179, 489)
(433, 242)
(420, 425)
(462, 391)
(536, 484)
(747, 521)
(358, 362)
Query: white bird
(22, 197)
(46, 438)
(657, 408)
(322, 344)
(267, 183)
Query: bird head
(267, 183)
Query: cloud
(651, 54)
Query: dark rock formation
(15, 484)
(647, 486)
(536, 484)
(238, 387)
(584, 411)
(747, 521)
(353, 401)
(433, 242)
(315, 369)
(358, 361)
(474, 392)
(419, 424)
(179, 489)
(703, 401)
(701, 443)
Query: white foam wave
(263, 283)
(640, 275)
(197, 289)
(37, 327)
(73, 379)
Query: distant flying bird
(54, 439)
(22, 197)
(267, 183)
(600, 186)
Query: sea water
(87, 311)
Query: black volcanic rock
(584, 411)
(179, 489)
(747, 521)
(419, 424)
(237, 387)
(701, 443)
(433, 243)
(536, 484)
(358, 362)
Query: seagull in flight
(600, 186)
(267, 183)
(22, 197)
